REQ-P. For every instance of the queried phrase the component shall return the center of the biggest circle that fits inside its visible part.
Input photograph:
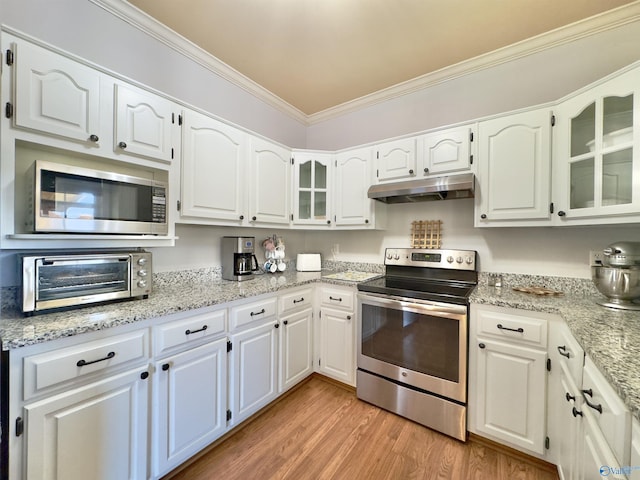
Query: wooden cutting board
(539, 291)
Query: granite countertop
(183, 293)
(611, 338)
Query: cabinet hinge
(378, 154)
(19, 426)
(335, 218)
(292, 217)
(291, 160)
(173, 117)
(377, 173)
(318, 362)
(229, 346)
(546, 443)
(336, 163)
(8, 110)
(471, 136)
(470, 159)
(551, 207)
(229, 415)
(9, 57)
(553, 120)
(171, 153)
(548, 364)
(180, 120)
(178, 205)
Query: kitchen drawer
(47, 371)
(608, 410)
(188, 330)
(337, 298)
(292, 301)
(511, 325)
(244, 315)
(565, 349)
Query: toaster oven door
(70, 281)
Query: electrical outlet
(595, 257)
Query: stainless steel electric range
(413, 336)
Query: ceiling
(317, 54)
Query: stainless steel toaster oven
(53, 281)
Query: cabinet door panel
(143, 123)
(98, 432)
(396, 160)
(255, 369)
(55, 94)
(515, 167)
(511, 388)
(192, 400)
(213, 169)
(296, 348)
(337, 345)
(270, 194)
(447, 151)
(353, 178)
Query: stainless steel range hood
(434, 188)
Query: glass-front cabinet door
(311, 188)
(597, 165)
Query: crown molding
(596, 24)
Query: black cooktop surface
(449, 291)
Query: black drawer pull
(576, 412)
(335, 299)
(298, 301)
(258, 313)
(569, 397)
(82, 363)
(589, 392)
(189, 332)
(519, 330)
(562, 350)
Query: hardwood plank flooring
(322, 431)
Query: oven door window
(60, 280)
(415, 341)
(79, 197)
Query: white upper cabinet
(514, 170)
(56, 95)
(396, 160)
(143, 123)
(214, 176)
(352, 206)
(596, 166)
(312, 188)
(270, 193)
(445, 151)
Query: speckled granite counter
(182, 292)
(610, 337)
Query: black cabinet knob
(426, 170)
(410, 172)
(122, 145)
(94, 138)
(241, 217)
(254, 218)
(482, 345)
(562, 213)
(483, 216)
(366, 221)
(144, 375)
(576, 412)
(328, 222)
(569, 397)
(277, 325)
(286, 322)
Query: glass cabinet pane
(304, 205)
(583, 131)
(321, 175)
(582, 184)
(320, 205)
(305, 174)
(617, 121)
(617, 177)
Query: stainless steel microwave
(60, 280)
(68, 199)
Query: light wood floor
(322, 431)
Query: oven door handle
(83, 260)
(437, 309)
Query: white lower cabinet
(507, 368)
(296, 348)
(255, 369)
(190, 389)
(98, 431)
(337, 333)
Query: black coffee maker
(238, 259)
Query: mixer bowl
(618, 284)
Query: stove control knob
(469, 260)
(389, 256)
(450, 259)
(459, 260)
(396, 257)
